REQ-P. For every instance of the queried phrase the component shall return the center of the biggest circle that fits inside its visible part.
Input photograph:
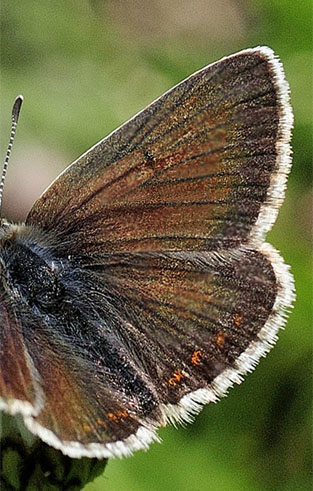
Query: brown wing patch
(189, 172)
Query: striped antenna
(15, 114)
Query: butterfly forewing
(189, 172)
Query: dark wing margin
(202, 168)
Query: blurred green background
(84, 67)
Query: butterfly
(140, 286)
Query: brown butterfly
(140, 286)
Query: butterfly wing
(19, 390)
(169, 295)
(156, 337)
(195, 170)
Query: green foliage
(28, 464)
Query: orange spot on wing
(237, 319)
(101, 423)
(220, 340)
(118, 415)
(176, 377)
(196, 357)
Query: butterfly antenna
(15, 114)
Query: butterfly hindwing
(156, 336)
(18, 384)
